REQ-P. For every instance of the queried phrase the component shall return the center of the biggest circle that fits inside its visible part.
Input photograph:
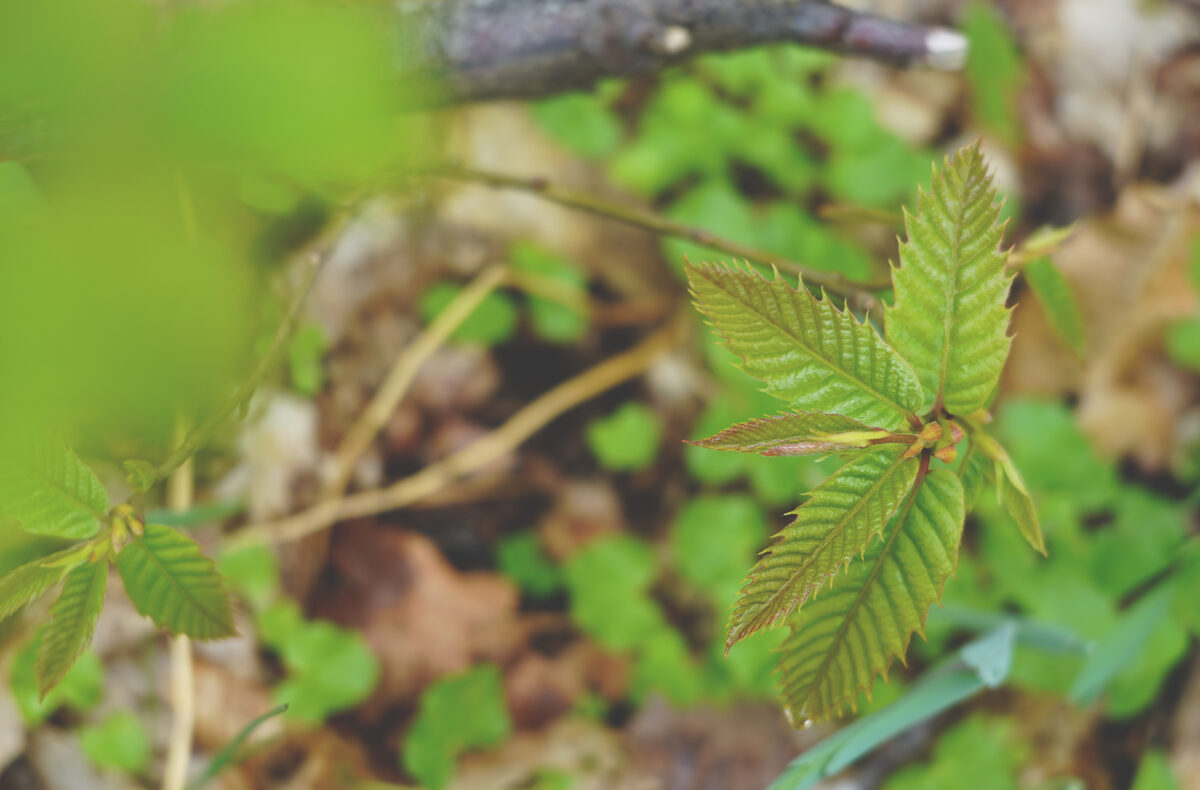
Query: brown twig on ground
(401, 376)
(478, 454)
(834, 282)
(477, 50)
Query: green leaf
(807, 352)
(81, 689)
(714, 538)
(49, 491)
(521, 558)
(994, 71)
(457, 712)
(841, 639)
(627, 439)
(1123, 644)
(936, 691)
(22, 585)
(1014, 496)
(119, 742)
(169, 580)
(1056, 298)
(949, 319)
(231, 753)
(305, 356)
(72, 622)
(329, 668)
(579, 121)
(492, 322)
(838, 522)
(804, 433)
(1155, 772)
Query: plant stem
(479, 453)
(180, 493)
(647, 220)
(401, 376)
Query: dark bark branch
(477, 50)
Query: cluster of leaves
(556, 300)
(329, 669)
(892, 408)
(52, 493)
(754, 107)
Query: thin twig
(183, 701)
(647, 220)
(401, 376)
(478, 454)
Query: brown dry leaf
(1128, 271)
(226, 701)
(422, 617)
(744, 747)
(540, 689)
(590, 753)
(583, 510)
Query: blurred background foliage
(162, 169)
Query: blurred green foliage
(982, 752)
(1183, 337)
(775, 136)
(995, 71)
(491, 323)
(627, 439)
(119, 742)
(1107, 541)
(305, 354)
(329, 669)
(139, 148)
(457, 712)
(560, 319)
(81, 689)
(520, 557)
(1155, 773)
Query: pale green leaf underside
(836, 524)
(803, 433)
(25, 583)
(170, 581)
(49, 491)
(72, 622)
(949, 320)
(1014, 497)
(807, 352)
(848, 634)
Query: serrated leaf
(1014, 497)
(949, 319)
(49, 491)
(838, 522)
(848, 634)
(1056, 298)
(22, 585)
(169, 580)
(803, 433)
(72, 623)
(806, 351)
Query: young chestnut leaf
(72, 623)
(27, 582)
(49, 491)
(837, 523)
(949, 319)
(849, 634)
(802, 433)
(808, 353)
(171, 581)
